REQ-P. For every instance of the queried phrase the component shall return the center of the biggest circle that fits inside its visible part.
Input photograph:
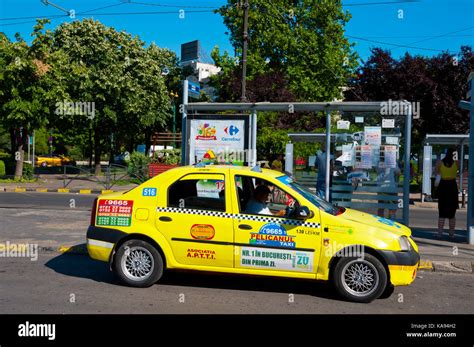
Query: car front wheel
(138, 263)
(360, 279)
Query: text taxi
(247, 221)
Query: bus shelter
(433, 150)
(367, 170)
(362, 115)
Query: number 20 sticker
(149, 192)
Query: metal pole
(28, 148)
(470, 184)
(254, 138)
(289, 158)
(406, 169)
(244, 50)
(174, 124)
(184, 138)
(328, 151)
(461, 169)
(33, 160)
(469, 105)
(427, 172)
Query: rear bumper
(101, 242)
(402, 266)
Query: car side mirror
(303, 212)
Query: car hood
(374, 221)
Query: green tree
(121, 76)
(27, 85)
(438, 83)
(302, 39)
(297, 51)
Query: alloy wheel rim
(360, 278)
(137, 263)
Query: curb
(447, 266)
(58, 190)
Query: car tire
(138, 264)
(389, 289)
(360, 279)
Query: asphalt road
(419, 217)
(69, 283)
(50, 201)
(76, 284)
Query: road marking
(42, 190)
(85, 191)
(426, 265)
(107, 191)
(20, 190)
(63, 190)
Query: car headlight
(405, 244)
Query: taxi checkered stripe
(260, 218)
(257, 218)
(191, 211)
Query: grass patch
(16, 180)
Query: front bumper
(402, 266)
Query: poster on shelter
(217, 141)
(390, 155)
(373, 136)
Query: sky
(426, 27)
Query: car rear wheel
(360, 279)
(138, 263)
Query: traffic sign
(194, 89)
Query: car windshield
(309, 195)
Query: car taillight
(94, 211)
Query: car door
(276, 245)
(197, 221)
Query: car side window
(201, 194)
(278, 200)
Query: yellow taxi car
(49, 160)
(204, 218)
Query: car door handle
(245, 227)
(165, 219)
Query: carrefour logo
(231, 130)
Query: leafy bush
(138, 166)
(2, 168)
(168, 156)
(28, 171)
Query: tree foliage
(85, 62)
(297, 51)
(303, 40)
(437, 82)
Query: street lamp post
(173, 96)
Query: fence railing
(112, 174)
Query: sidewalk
(443, 255)
(55, 183)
